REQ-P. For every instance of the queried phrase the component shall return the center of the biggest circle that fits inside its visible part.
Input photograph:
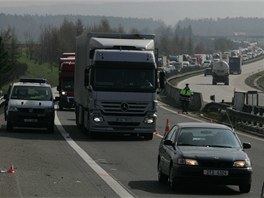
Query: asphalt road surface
(68, 163)
(203, 84)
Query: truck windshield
(31, 93)
(67, 84)
(124, 79)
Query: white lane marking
(117, 187)
(240, 133)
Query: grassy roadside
(256, 80)
(49, 72)
(35, 70)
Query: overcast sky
(169, 11)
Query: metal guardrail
(246, 121)
(2, 101)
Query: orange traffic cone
(167, 128)
(11, 169)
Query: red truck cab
(66, 82)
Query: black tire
(162, 178)
(262, 191)
(9, 126)
(244, 188)
(60, 107)
(171, 179)
(50, 129)
(148, 136)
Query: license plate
(215, 172)
(122, 119)
(31, 120)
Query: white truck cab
(29, 103)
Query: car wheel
(9, 126)
(244, 188)
(162, 178)
(172, 182)
(262, 191)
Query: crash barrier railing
(247, 121)
(2, 101)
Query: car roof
(28, 81)
(31, 84)
(202, 124)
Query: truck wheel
(9, 126)
(50, 128)
(60, 107)
(214, 83)
(148, 136)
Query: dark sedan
(204, 153)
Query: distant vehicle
(220, 72)
(208, 71)
(66, 81)
(207, 63)
(30, 104)
(194, 152)
(235, 65)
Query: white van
(30, 103)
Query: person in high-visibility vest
(185, 97)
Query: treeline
(53, 41)
(251, 26)
(8, 54)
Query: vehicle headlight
(149, 120)
(12, 108)
(98, 119)
(242, 164)
(189, 162)
(63, 93)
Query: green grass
(35, 70)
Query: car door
(167, 151)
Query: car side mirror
(6, 96)
(246, 145)
(169, 143)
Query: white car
(30, 103)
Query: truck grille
(124, 107)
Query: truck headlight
(98, 119)
(149, 120)
(63, 93)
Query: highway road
(203, 84)
(70, 164)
